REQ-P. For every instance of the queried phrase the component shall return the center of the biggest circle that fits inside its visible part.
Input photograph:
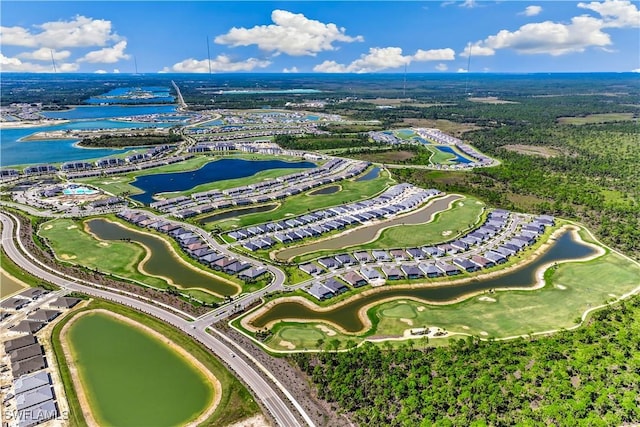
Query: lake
(326, 190)
(134, 95)
(450, 150)
(218, 170)
(372, 174)
(346, 316)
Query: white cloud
(15, 64)
(469, 4)
(330, 67)
(44, 54)
(637, 70)
(441, 67)
(477, 50)
(78, 32)
(116, 71)
(462, 70)
(290, 33)
(107, 55)
(290, 70)
(531, 11)
(100, 72)
(435, 55)
(615, 13)
(222, 63)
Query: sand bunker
(103, 244)
(71, 227)
(402, 302)
(287, 344)
(487, 299)
(561, 287)
(48, 227)
(407, 321)
(421, 308)
(68, 257)
(613, 295)
(466, 328)
(326, 330)
(445, 233)
(484, 333)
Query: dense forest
(590, 376)
(133, 140)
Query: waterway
(162, 261)
(15, 151)
(219, 170)
(372, 174)
(346, 316)
(326, 190)
(132, 378)
(234, 213)
(450, 150)
(363, 235)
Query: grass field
(132, 378)
(571, 289)
(302, 203)
(236, 402)
(596, 118)
(72, 244)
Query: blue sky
(323, 37)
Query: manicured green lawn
(439, 157)
(132, 378)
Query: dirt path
(77, 383)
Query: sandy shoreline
(32, 123)
(362, 312)
(77, 383)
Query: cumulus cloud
(383, 58)
(441, 67)
(222, 63)
(477, 49)
(107, 55)
(8, 64)
(290, 70)
(78, 32)
(435, 55)
(637, 70)
(290, 33)
(615, 13)
(559, 38)
(462, 70)
(44, 54)
(531, 11)
(100, 72)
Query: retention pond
(161, 260)
(346, 316)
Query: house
(210, 258)
(431, 270)
(495, 257)
(27, 326)
(415, 253)
(17, 343)
(370, 273)
(27, 352)
(329, 262)
(363, 256)
(336, 286)
(44, 316)
(319, 291)
(449, 270)
(65, 302)
(345, 259)
(412, 271)
(392, 272)
(466, 264)
(398, 254)
(482, 261)
(14, 303)
(381, 256)
(27, 366)
(354, 279)
(29, 382)
(250, 246)
(33, 293)
(252, 273)
(433, 251)
(310, 268)
(222, 263)
(34, 397)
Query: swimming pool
(78, 191)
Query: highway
(264, 391)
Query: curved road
(263, 390)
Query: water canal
(161, 260)
(132, 378)
(359, 236)
(234, 213)
(346, 316)
(219, 170)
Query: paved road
(263, 390)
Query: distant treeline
(130, 141)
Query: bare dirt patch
(532, 150)
(491, 100)
(255, 421)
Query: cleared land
(10, 284)
(360, 236)
(533, 150)
(134, 378)
(596, 118)
(491, 100)
(352, 191)
(446, 126)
